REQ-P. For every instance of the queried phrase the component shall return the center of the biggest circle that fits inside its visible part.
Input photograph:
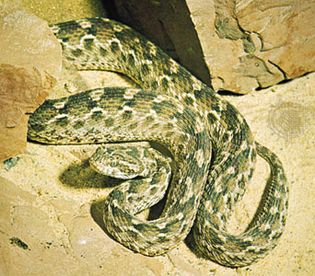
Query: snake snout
(39, 121)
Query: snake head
(39, 124)
(118, 161)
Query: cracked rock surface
(242, 45)
(30, 63)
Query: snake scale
(208, 140)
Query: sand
(50, 215)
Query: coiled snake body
(210, 143)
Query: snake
(209, 150)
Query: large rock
(168, 24)
(243, 45)
(30, 63)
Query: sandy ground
(50, 215)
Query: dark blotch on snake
(97, 115)
(165, 82)
(127, 115)
(77, 52)
(91, 104)
(114, 46)
(109, 122)
(78, 124)
(88, 43)
(131, 60)
(154, 85)
(62, 121)
(103, 52)
(145, 69)
(92, 30)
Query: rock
(61, 11)
(162, 25)
(242, 45)
(21, 91)
(285, 32)
(27, 41)
(30, 63)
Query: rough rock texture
(160, 21)
(60, 10)
(27, 41)
(50, 222)
(245, 45)
(30, 62)
(21, 91)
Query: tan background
(47, 225)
